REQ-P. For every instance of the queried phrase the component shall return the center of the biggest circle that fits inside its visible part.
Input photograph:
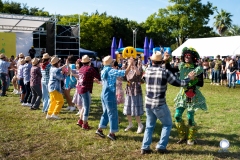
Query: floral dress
(119, 91)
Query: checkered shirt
(156, 85)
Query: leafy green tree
(182, 20)
(11, 7)
(1, 6)
(233, 31)
(25, 9)
(223, 21)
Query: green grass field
(25, 134)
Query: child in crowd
(54, 88)
(76, 98)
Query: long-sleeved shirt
(55, 78)
(20, 72)
(85, 80)
(45, 73)
(35, 76)
(156, 85)
(26, 72)
(4, 66)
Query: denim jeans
(163, 114)
(217, 76)
(36, 96)
(86, 101)
(232, 79)
(4, 82)
(28, 95)
(46, 98)
(110, 114)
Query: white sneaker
(55, 117)
(72, 109)
(68, 108)
(24, 104)
(140, 129)
(129, 127)
(17, 92)
(78, 113)
(48, 116)
(29, 104)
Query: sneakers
(48, 116)
(53, 116)
(191, 142)
(78, 113)
(111, 136)
(100, 133)
(24, 104)
(68, 108)
(72, 109)
(181, 141)
(85, 126)
(146, 151)
(28, 104)
(140, 129)
(162, 151)
(80, 122)
(128, 127)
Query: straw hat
(107, 60)
(22, 61)
(28, 58)
(157, 56)
(2, 56)
(21, 55)
(35, 61)
(54, 60)
(85, 59)
(46, 56)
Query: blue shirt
(55, 78)
(20, 71)
(4, 66)
(113, 74)
(26, 72)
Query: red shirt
(85, 80)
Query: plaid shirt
(156, 85)
(45, 74)
(35, 76)
(4, 66)
(85, 80)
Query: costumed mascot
(189, 97)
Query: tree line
(170, 26)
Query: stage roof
(21, 23)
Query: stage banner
(8, 44)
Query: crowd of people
(50, 79)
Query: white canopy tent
(210, 47)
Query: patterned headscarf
(192, 51)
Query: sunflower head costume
(192, 52)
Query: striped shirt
(45, 74)
(26, 72)
(156, 85)
(4, 66)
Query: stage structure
(67, 38)
(23, 27)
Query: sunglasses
(187, 55)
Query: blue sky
(137, 10)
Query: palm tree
(234, 30)
(223, 21)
